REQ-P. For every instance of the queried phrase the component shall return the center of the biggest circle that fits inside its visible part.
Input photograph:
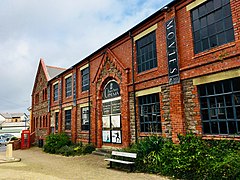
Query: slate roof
(54, 71)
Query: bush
(192, 158)
(56, 141)
(61, 144)
(88, 148)
(66, 151)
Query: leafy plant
(55, 141)
(61, 144)
(192, 158)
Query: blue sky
(62, 33)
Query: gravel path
(36, 164)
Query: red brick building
(176, 71)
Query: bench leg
(110, 164)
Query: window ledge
(146, 134)
(147, 71)
(84, 132)
(221, 137)
(214, 49)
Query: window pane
(238, 112)
(195, 14)
(228, 100)
(217, 3)
(230, 114)
(205, 44)
(214, 126)
(211, 29)
(202, 90)
(236, 84)
(205, 114)
(196, 25)
(228, 22)
(206, 127)
(197, 36)
(204, 32)
(210, 6)
(221, 38)
(210, 89)
(232, 127)
(224, 2)
(219, 26)
(218, 15)
(203, 22)
(210, 18)
(204, 103)
(226, 11)
(227, 86)
(236, 97)
(223, 127)
(202, 10)
(213, 41)
(198, 47)
(218, 88)
(230, 35)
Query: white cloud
(62, 32)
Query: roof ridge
(56, 67)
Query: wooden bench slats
(116, 154)
(124, 154)
(119, 161)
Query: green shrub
(192, 158)
(66, 151)
(55, 141)
(88, 148)
(61, 144)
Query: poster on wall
(106, 121)
(116, 136)
(106, 136)
(107, 108)
(116, 121)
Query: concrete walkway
(35, 164)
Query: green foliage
(66, 151)
(192, 158)
(55, 141)
(61, 144)
(88, 149)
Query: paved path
(36, 164)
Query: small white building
(13, 123)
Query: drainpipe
(89, 105)
(133, 83)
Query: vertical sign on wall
(172, 54)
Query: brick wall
(179, 104)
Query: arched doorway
(111, 114)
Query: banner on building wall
(172, 53)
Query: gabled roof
(54, 71)
(49, 71)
